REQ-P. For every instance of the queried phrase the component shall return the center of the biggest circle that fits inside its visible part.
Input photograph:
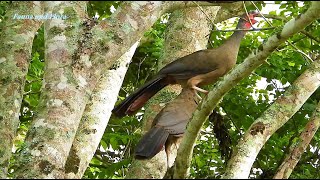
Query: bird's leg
(167, 149)
(193, 82)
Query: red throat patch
(247, 24)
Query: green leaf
(291, 63)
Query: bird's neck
(230, 47)
(233, 42)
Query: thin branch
(228, 116)
(125, 149)
(261, 13)
(245, 8)
(310, 36)
(255, 29)
(310, 60)
(139, 68)
(205, 14)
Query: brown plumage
(197, 69)
(169, 123)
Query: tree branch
(96, 116)
(298, 149)
(282, 18)
(255, 29)
(50, 136)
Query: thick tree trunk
(15, 54)
(95, 117)
(285, 169)
(230, 80)
(50, 136)
(186, 34)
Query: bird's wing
(190, 65)
(177, 113)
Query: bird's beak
(253, 21)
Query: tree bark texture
(230, 80)
(50, 136)
(185, 34)
(15, 54)
(285, 169)
(96, 117)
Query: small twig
(301, 52)
(310, 36)
(125, 149)
(140, 63)
(205, 14)
(276, 86)
(245, 8)
(30, 92)
(261, 13)
(273, 17)
(211, 43)
(115, 125)
(237, 128)
(256, 29)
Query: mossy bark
(95, 118)
(15, 54)
(50, 136)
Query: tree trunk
(95, 117)
(50, 136)
(15, 54)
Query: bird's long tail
(139, 97)
(151, 143)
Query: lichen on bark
(15, 52)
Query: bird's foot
(197, 89)
(198, 96)
(200, 90)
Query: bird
(200, 68)
(168, 125)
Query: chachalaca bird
(169, 124)
(197, 69)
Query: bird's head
(245, 19)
